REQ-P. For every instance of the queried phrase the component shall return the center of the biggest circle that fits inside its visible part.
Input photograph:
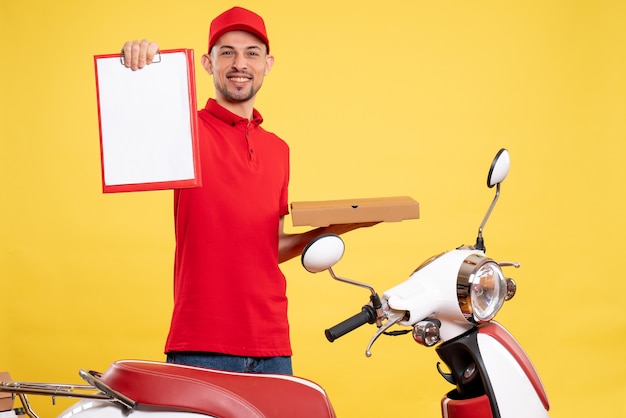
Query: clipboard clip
(155, 60)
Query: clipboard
(148, 123)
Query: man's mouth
(238, 79)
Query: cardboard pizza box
(331, 212)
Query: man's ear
(269, 63)
(207, 63)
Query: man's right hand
(138, 54)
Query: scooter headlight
(481, 288)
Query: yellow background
(375, 99)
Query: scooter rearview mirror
(499, 168)
(497, 173)
(322, 253)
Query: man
(230, 305)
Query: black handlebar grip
(366, 316)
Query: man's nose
(240, 62)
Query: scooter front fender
(491, 372)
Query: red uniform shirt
(229, 294)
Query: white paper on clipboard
(148, 128)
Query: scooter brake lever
(393, 319)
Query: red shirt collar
(229, 117)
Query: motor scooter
(449, 302)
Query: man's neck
(243, 109)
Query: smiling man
(230, 303)
(238, 63)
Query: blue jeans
(270, 365)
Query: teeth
(238, 79)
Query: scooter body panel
(88, 408)
(431, 292)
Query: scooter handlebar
(366, 316)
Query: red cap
(238, 18)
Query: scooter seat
(217, 393)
